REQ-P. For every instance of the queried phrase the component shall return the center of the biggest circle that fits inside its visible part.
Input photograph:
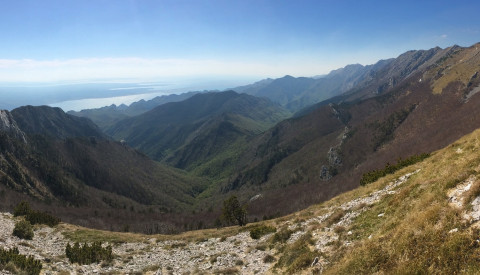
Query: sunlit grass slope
(404, 223)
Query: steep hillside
(65, 161)
(53, 122)
(422, 219)
(326, 150)
(108, 115)
(229, 143)
(199, 129)
(297, 93)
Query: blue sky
(145, 40)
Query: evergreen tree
(233, 212)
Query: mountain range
(108, 115)
(280, 145)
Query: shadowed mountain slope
(297, 93)
(108, 115)
(53, 122)
(416, 103)
(422, 219)
(67, 161)
(326, 150)
(200, 128)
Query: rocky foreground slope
(422, 219)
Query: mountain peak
(53, 122)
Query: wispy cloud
(443, 36)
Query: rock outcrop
(9, 125)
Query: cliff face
(9, 125)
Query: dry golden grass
(413, 237)
(459, 67)
(82, 234)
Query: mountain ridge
(421, 218)
(417, 103)
(174, 125)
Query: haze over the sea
(52, 42)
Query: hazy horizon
(55, 43)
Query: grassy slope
(411, 237)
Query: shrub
(335, 217)
(281, 236)
(35, 217)
(88, 254)
(23, 229)
(268, 259)
(27, 264)
(374, 175)
(22, 209)
(233, 212)
(297, 256)
(257, 232)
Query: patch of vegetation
(460, 178)
(25, 263)
(269, 259)
(233, 212)
(281, 236)
(415, 236)
(21, 209)
(385, 129)
(374, 175)
(472, 194)
(87, 254)
(35, 217)
(259, 174)
(91, 235)
(257, 232)
(335, 217)
(297, 256)
(23, 229)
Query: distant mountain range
(208, 146)
(298, 93)
(199, 129)
(108, 115)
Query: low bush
(257, 232)
(35, 217)
(281, 236)
(269, 259)
(297, 256)
(335, 217)
(374, 175)
(87, 254)
(22, 209)
(27, 264)
(23, 229)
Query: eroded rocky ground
(238, 253)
